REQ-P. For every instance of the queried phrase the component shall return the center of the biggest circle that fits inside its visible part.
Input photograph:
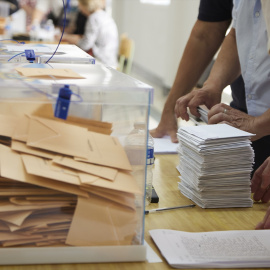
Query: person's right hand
(265, 223)
(167, 126)
(260, 182)
(207, 96)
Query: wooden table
(190, 219)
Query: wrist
(214, 84)
(261, 126)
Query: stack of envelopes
(215, 165)
(62, 184)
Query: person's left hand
(260, 182)
(265, 223)
(222, 113)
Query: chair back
(126, 54)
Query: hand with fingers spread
(260, 182)
(222, 113)
(205, 96)
(265, 223)
(167, 126)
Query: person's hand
(222, 113)
(167, 126)
(265, 223)
(205, 96)
(260, 182)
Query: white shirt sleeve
(266, 14)
(234, 14)
(90, 34)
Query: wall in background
(160, 33)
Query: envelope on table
(98, 222)
(10, 159)
(42, 167)
(58, 137)
(102, 171)
(106, 150)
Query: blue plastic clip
(62, 104)
(30, 55)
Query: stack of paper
(204, 113)
(61, 184)
(215, 165)
(221, 249)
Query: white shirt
(252, 39)
(101, 35)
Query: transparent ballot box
(11, 52)
(69, 191)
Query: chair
(126, 53)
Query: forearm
(29, 10)
(37, 17)
(262, 124)
(227, 66)
(205, 39)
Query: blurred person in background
(28, 6)
(54, 10)
(100, 37)
(13, 5)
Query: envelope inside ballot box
(54, 174)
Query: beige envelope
(54, 200)
(21, 130)
(124, 182)
(8, 124)
(10, 159)
(13, 190)
(3, 227)
(91, 125)
(38, 106)
(16, 218)
(42, 167)
(17, 236)
(22, 147)
(47, 72)
(58, 137)
(7, 207)
(40, 223)
(100, 222)
(106, 150)
(104, 172)
(118, 197)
